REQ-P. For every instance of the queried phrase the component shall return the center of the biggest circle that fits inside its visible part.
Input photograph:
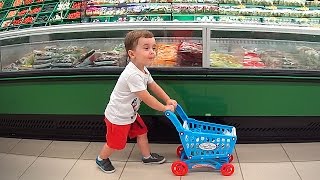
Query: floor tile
(213, 174)
(93, 172)
(303, 151)
(30, 147)
(48, 168)
(261, 153)
(166, 150)
(308, 170)
(6, 144)
(94, 149)
(267, 171)
(139, 171)
(65, 149)
(2, 155)
(13, 166)
(235, 156)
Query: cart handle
(172, 116)
(181, 113)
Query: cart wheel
(227, 169)
(230, 158)
(179, 168)
(179, 150)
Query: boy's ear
(130, 54)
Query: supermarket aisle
(57, 160)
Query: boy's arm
(152, 102)
(158, 91)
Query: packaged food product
(166, 55)
(224, 60)
(252, 59)
(190, 54)
(309, 57)
(292, 2)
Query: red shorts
(117, 135)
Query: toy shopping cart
(203, 144)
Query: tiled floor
(27, 159)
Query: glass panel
(18, 40)
(179, 48)
(102, 49)
(264, 50)
(83, 53)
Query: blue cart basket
(204, 144)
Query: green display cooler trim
(252, 77)
(184, 17)
(200, 94)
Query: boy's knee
(143, 136)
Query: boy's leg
(139, 130)
(106, 151)
(143, 143)
(103, 160)
(116, 140)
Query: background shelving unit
(280, 12)
(19, 14)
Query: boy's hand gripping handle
(171, 115)
(181, 113)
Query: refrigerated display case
(264, 80)
(267, 50)
(98, 51)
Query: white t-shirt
(124, 104)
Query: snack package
(190, 54)
(166, 55)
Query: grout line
(85, 149)
(76, 160)
(28, 167)
(291, 162)
(286, 153)
(71, 169)
(35, 159)
(296, 170)
(45, 149)
(14, 146)
(4, 155)
(123, 169)
(127, 161)
(235, 149)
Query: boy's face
(145, 51)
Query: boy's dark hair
(132, 38)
